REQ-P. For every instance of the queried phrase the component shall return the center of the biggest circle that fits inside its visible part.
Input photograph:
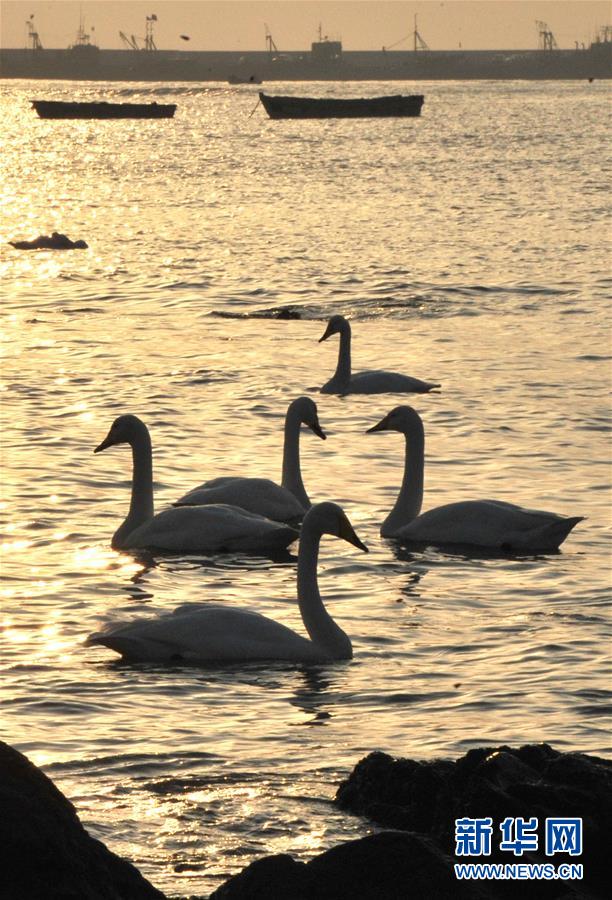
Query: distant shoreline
(90, 63)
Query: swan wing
(205, 633)
(380, 382)
(490, 523)
(257, 495)
(216, 482)
(200, 528)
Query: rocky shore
(45, 853)
(420, 802)
(48, 855)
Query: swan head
(123, 431)
(329, 518)
(336, 325)
(404, 419)
(306, 410)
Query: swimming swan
(484, 523)
(286, 502)
(371, 382)
(198, 633)
(189, 528)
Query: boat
(60, 109)
(341, 108)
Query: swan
(183, 529)
(484, 523)
(198, 633)
(371, 382)
(286, 502)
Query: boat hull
(397, 105)
(58, 109)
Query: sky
(294, 24)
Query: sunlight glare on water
(467, 247)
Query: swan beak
(382, 426)
(107, 442)
(347, 532)
(318, 430)
(328, 333)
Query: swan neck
(343, 369)
(325, 634)
(410, 498)
(141, 502)
(292, 475)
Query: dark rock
(391, 865)
(55, 241)
(45, 853)
(270, 877)
(534, 780)
(286, 312)
(278, 312)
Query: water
(468, 247)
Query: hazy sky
(359, 24)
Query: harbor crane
(546, 39)
(270, 45)
(149, 40)
(417, 41)
(131, 41)
(34, 42)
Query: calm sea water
(467, 247)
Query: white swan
(484, 523)
(286, 502)
(370, 382)
(183, 529)
(198, 633)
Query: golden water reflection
(150, 321)
(99, 558)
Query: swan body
(183, 529)
(206, 634)
(369, 382)
(285, 502)
(200, 633)
(482, 523)
(254, 494)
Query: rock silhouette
(392, 865)
(55, 241)
(534, 780)
(420, 802)
(45, 853)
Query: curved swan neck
(323, 631)
(343, 369)
(292, 475)
(410, 498)
(141, 502)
